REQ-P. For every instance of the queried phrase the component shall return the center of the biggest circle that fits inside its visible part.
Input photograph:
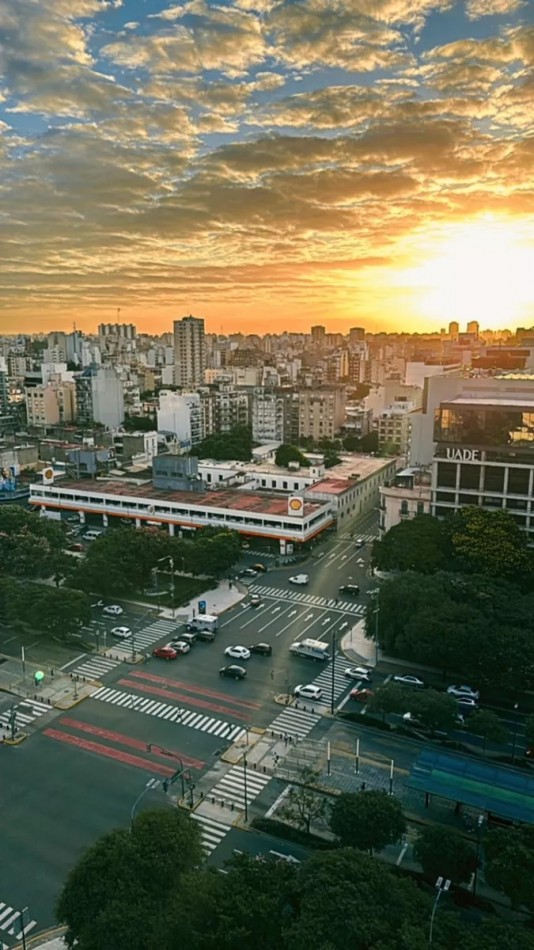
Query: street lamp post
(333, 684)
(442, 885)
(170, 559)
(245, 784)
(23, 913)
(480, 824)
(151, 785)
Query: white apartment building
(394, 427)
(189, 352)
(408, 495)
(321, 412)
(181, 414)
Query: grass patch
(185, 589)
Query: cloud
(481, 8)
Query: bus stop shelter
(491, 789)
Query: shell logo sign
(295, 505)
(48, 475)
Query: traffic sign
(202, 606)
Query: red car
(361, 695)
(165, 653)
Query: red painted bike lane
(119, 755)
(194, 688)
(171, 694)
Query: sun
(479, 270)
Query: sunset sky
(266, 165)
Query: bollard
(213, 799)
(254, 766)
(232, 806)
(49, 701)
(264, 768)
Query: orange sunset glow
(266, 165)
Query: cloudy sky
(266, 164)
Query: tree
(388, 699)
(304, 804)
(347, 899)
(367, 820)
(487, 724)
(420, 544)
(491, 543)
(247, 906)
(435, 711)
(510, 863)
(286, 453)
(235, 445)
(443, 851)
(118, 894)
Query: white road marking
(325, 621)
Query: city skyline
(266, 165)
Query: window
(470, 477)
(493, 479)
(518, 479)
(446, 475)
(420, 507)
(404, 510)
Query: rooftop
(332, 486)
(233, 500)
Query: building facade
(321, 412)
(182, 415)
(189, 352)
(99, 397)
(407, 495)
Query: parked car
(264, 649)
(113, 610)
(308, 692)
(361, 695)
(349, 589)
(467, 704)
(180, 646)
(207, 635)
(185, 638)
(165, 653)
(460, 691)
(259, 568)
(73, 519)
(409, 680)
(233, 672)
(359, 673)
(238, 653)
(255, 600)
(122, 633)
(301, 579)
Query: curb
(64, 704)
(17, 741)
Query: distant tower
(189, 352)
(473, 327)
(318, 334)
(454, 329)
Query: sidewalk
(219, 600)
(357, 648)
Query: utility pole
(332, 696)
(245, 785)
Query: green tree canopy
(435, 711)
(487, 724)
(235, 445)
(420, 544)
(304, 803)
(444, 851)
(286, 453)
(367, 820)
(510, 863)
(120, 892)
(490, 543)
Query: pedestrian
(285, 739)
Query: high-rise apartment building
(274, 415)
(321, 412)
(317, 335)
(52, 403)
(224, 408)
(99, 397)
(57, 348)
(125, 330)
(356, 335)
(181, 415)
(189, 352)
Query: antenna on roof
(118, 314)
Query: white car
(238, 653)
(180, 646)
(299, 579)
(409, 680)
(308, 692)
(460, 691)
(359, 673)
(113, 610)
(122, 633)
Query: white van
(203, 622)
(313, 649)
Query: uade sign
(463, 455)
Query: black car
(234, 672)
(349, 589)
(207, 635)
(264, 649)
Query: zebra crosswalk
(94, 667)
(353, 535)
(240, 783)
(11, 923)
(307, 600)
(25, 713)
(183, 717)
(145, 638)
(326, 678)
(296, 723)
